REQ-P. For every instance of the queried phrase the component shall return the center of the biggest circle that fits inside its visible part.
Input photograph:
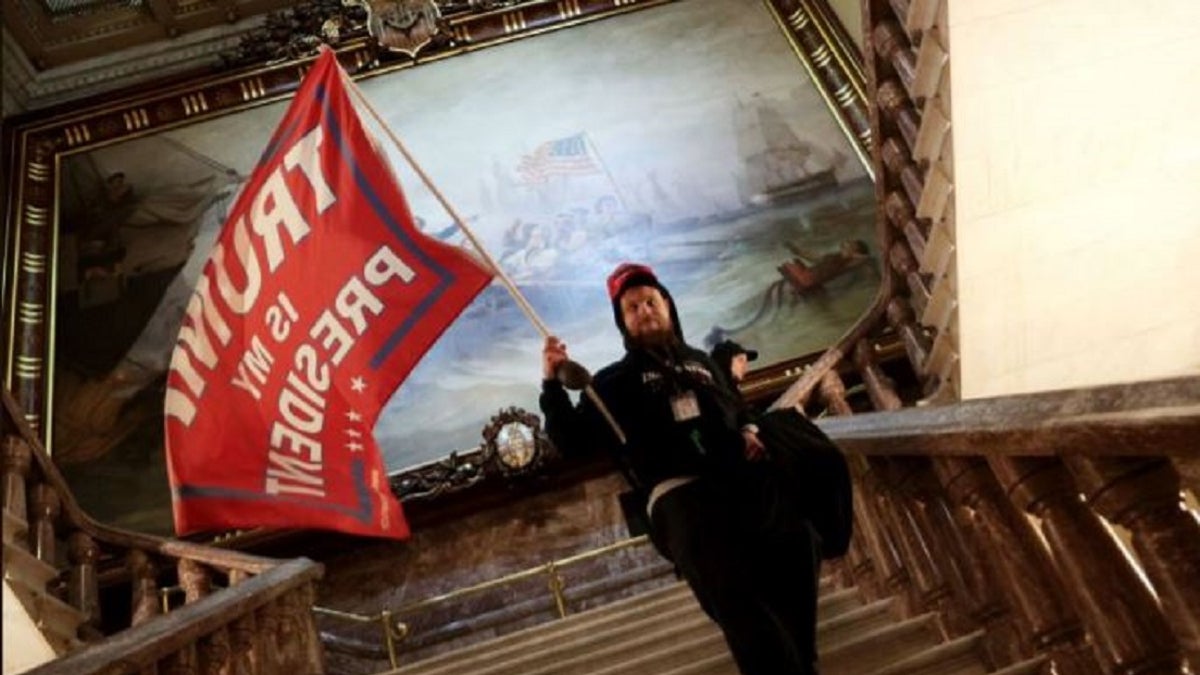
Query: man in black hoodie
(697, 468)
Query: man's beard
(664, 338)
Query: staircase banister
(77, 517)
(1153, 418)
(141, 647)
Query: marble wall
(1076, 168)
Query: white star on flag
(354, 446)
(358, 384)
(353, 416)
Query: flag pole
(604, 165)
(516, 294)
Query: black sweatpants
(753, 566)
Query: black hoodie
(638, 391)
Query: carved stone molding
(452, 474)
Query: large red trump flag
(318, 299)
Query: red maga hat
(625, 272)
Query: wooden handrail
(1153, 418)
(142, 646)
(78, 518)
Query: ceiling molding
(26, 88)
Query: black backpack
(816, 469)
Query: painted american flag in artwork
(569, 156)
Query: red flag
(318, 299)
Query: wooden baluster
(900, 215)
(144, 581)
(898, 163)
(895, 104)
(1143, 496)
(890, 512)
(46, 509)
(17, 461)
(880, 540)
(916, 343)
(904, 265)
(833, 393)
(974, 580)
(861, 566)
(216, 654)
(925, 550)
(195, 580)
(183, 662)
(83, 589)
(879, 386)
(298, 606)
(246, 646)
(1129, 632)
(891, 44)
(873, 510)
(268, 619)
(968, 585)
(1021, 566)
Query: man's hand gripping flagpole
(570, 373)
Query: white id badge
(685, 407)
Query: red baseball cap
(626, 271)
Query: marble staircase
(664, 632)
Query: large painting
(685, 137)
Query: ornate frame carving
(35, 146)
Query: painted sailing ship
(779, 166)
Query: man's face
(645, 312)
(738, 366)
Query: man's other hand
(755, 450)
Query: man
(714, 507)
(734, 359)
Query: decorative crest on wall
(404, 27)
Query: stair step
(838, 602)
(428, 638)
(15, 529)
(596, 620)
(58, 621)
(646, 652)
(960, 656)
(595, 648)
(1034, 666)
(848, 625)
(669, 656)
(869, 651)
(827, 584)
(22, 567)
(625, 615)
(720, 664)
